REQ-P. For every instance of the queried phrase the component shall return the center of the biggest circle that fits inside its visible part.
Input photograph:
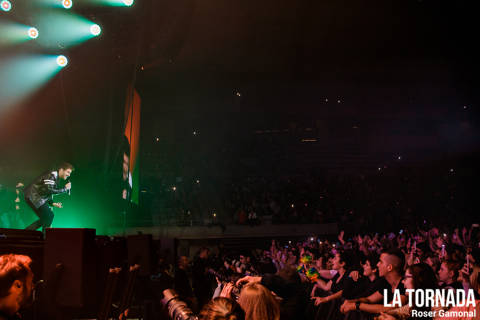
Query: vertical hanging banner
(131, 166)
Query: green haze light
(87, 207)
(20, 76)
(113, 3)
(61, 4)
(13, 33)
(65, 29)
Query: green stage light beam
(64, 29)
(14, 33)
(23, 75)
(62, 4)
(126, 3)
(112, 3)
(76, 214)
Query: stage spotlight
(62, 61)
(15, 86)
(95, 29)
(33, 33)
(65, 28)
(67, 4)
(5, 5)
(114, 3)
(13, 33)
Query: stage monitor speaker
(75, 250)
(140, 251)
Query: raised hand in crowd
(227, 291)
(354, 275)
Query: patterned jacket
(42, 189)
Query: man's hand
(465, 274)
(68, 186)
(312, 293)
(227, 291)
(248, 279)
(354, 275)
(359, 239)
(57, 205)
(319, 300)
(347, 306)
(410, 258)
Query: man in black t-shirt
(390, 267)
(363, 286)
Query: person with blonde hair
(287, 285)
(222, 309)
(258, 303)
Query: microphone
(69, 190)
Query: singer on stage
(39, 194)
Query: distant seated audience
(370, 200)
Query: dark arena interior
(258, 160)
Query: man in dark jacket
(182, 281)
(39, 194)
(201, 278)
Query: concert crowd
(341, 278)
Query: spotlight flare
(67, 4)
(95, 29)
(5, 5)
(33, 33)
(62, 61)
